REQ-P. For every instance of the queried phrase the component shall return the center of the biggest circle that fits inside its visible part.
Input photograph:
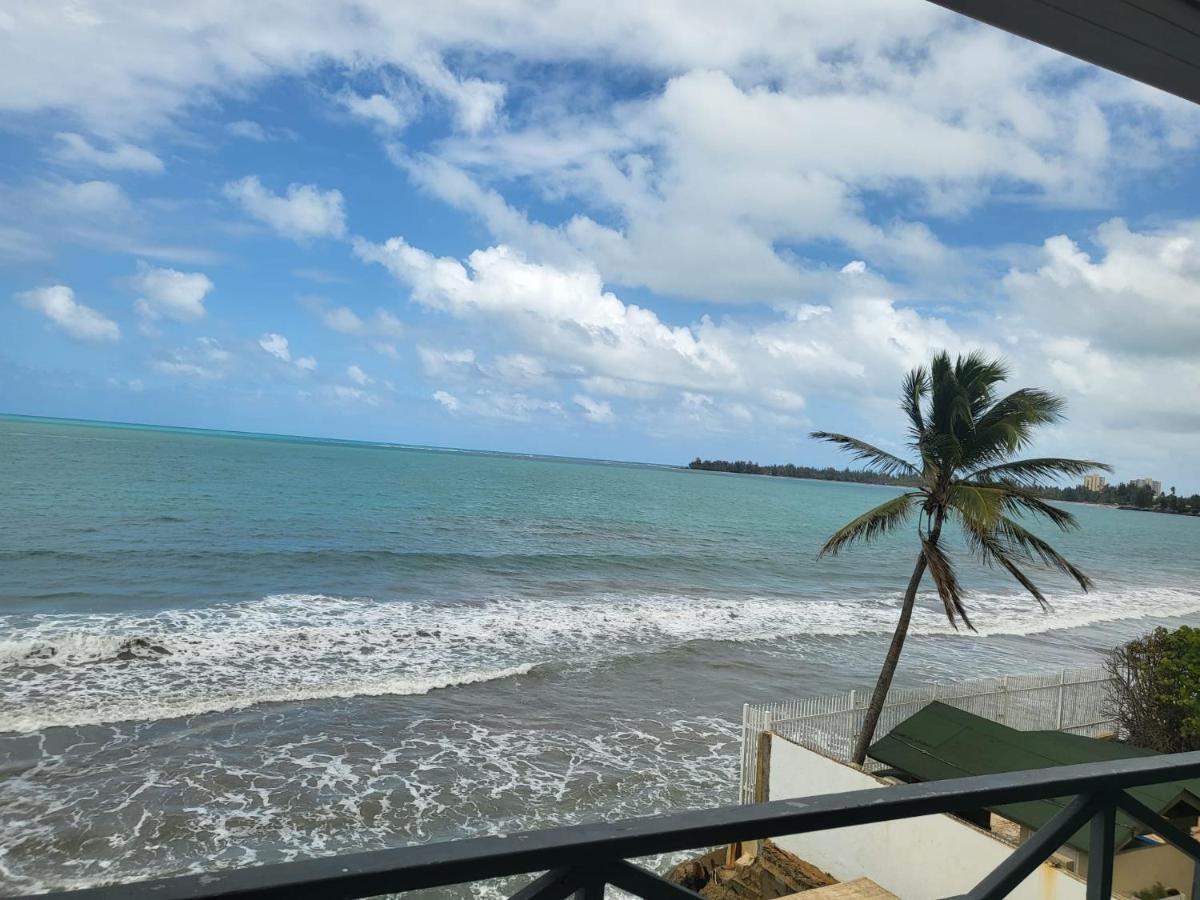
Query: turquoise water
(220, 649)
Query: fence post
(1062, 687)
(1004, 700)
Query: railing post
(1062, 687)
(1101, 837)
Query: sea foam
(92, 669)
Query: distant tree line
(1123, 494)
(1127, 494)
(788, 470)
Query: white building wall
(917, 859)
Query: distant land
(1125, 495)
(789, 470)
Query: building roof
(1154, 41)
(941, 741)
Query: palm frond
(912, 393)
(874, 458)
(1019, 536)
(1033, 471)
(1023, 579)
(979, 505)
(978, 376)
(1018, 499)
(993, 551)
(947, 583)
(871, 524)
(1021, 500)
(1008, 425)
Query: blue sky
(646, 233)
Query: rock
(140, 648)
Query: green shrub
(1157, 892)
(1156, 699)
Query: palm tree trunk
(889, 665)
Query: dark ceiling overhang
(1153, 41)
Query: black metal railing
(584, 859)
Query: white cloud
(58, 304)
(619, 387)
(276, 345)
(168, 292)
(487, 403)
(519, 368)
(344, 320)
(391, 112)
(250, 130)
(39, 215)
(204, 359)
(358, 376)
(860, 344)
(75, 149)
(320, 276)
(87, 198)
(447, 400)
(1141, 295)
(19, 245)
(302, 213)
(439, 363)
(385, 324)
(594, 410)
(344, 393)
(854, 267)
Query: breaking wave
(100, 668)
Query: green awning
(941, 741)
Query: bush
(1157, 892)
(1156, 700)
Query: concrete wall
(1141, 868)
(925, 857)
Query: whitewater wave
(100, 668)
(291, 791)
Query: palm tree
(963, 437)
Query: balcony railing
(584, 859)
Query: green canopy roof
(941, 741)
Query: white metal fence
(1073, 700)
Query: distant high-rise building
(1094, 482)
(1155, 486)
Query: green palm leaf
(975, 504)
(1029, 542)
(912, 394)
(1034, 471)
(947, 583)
(1021, 500)
(879, 460)
(871, 524)
(993, 551)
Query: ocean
(221, 650)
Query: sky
(643, 231)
